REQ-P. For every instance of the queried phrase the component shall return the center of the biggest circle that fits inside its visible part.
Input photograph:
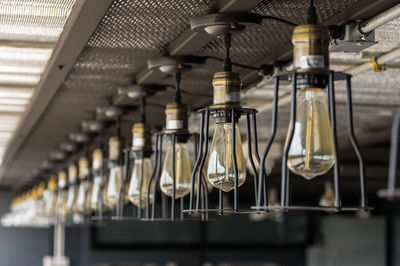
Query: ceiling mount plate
(46, 165)
(107, 113)
(91, 126)
(128, 97)
(68, 146)
(57, 156)
(135, 91)
(218, 24)
(173, 64)
(78, 137)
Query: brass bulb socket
(227, 87)
(41, 189)
(83, 167)
(113, 148)
(34, 192)
(177, 118)
(72, 173)
(97, 162)
(311, 49)
(141, 137)
(52, 184)
(62, 179)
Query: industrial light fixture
(73, 186)
(226, 169)
(62, 195)
(174, 174)
(96, 196)
(84, 190)
(311, 145)
(50, 197)
(140, 188)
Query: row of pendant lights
(311, 145)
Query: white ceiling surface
(29, 30)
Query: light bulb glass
(328, 197)
(71, 197)
(95, 194)
(137, 186)
(83, 197)
(50, 199)
(311, 152)
(220, 170)
(183, 171)
(62, 204)
(114, 185)
(106, 204)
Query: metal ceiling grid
(132, 32)
(39, 21)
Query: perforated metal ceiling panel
(134, 31)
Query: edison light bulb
(220, 170)
(311, 152)
(72, 188)
(97, 180)
(114, 184)
(183, 172)
(50, 197)
(138, 186)
(328, 197)
(85, 187)
(62, 196)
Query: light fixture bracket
(173, 64)
(218, 24)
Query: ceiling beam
(190, 42)
(83, 20)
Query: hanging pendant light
(140, 189)
(85, 188)
(115, 173)
(73, 187)
(226, 168)
(61, 206)
(311, 147)
(174, 174)
(50, 197)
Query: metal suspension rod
(355, 144)
(203, 159)
(173, 177)
(332, 111)
(285, 170)
(198, 159)
(235, 166)
(250, 155)
(394, 153)
(125, 177)
(157, 176)
(261, 175)
(152, 178)
(141, 186)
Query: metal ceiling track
(83, 20)
(190, 42)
